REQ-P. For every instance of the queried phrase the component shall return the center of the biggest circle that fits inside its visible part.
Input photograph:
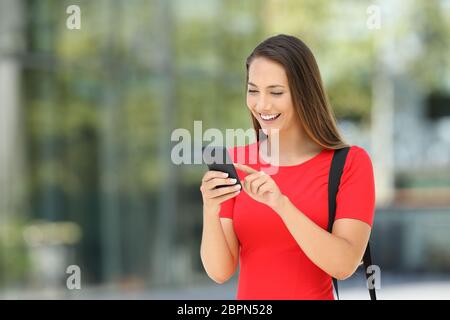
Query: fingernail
(238, 186)
(232, 180)
(225, 175)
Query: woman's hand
(212, 196)
(261, 187)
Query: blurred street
(393, 287)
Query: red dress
(271, 263)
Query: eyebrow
(271, 86)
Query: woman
(276, 230)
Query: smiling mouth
(269, 117)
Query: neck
(292, 143)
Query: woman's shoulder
(358, 152)
(357, 157)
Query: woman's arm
(219, 249)
(338, 253)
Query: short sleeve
(356, 194)
(227, 208)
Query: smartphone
(218, 159)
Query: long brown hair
(305, 84)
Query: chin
(267, 130)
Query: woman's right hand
(212, 197)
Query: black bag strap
(334, 179)
(367, 261)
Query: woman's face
(268, 96)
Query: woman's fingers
(253, 181)
(258, 182)
(227, 196)
(211, 184)
(245, 168)
(223, 190)
(213, 196)
(211, 174)
(249, 178)
(266, 187)
(254, 176)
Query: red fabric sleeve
(356, 194)
(227, 208)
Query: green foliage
(14, 260)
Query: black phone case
(217, 159)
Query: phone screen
(218, 159)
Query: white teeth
(269, 116)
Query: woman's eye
(274, 93)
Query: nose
(263, 105)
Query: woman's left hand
(260, 186)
